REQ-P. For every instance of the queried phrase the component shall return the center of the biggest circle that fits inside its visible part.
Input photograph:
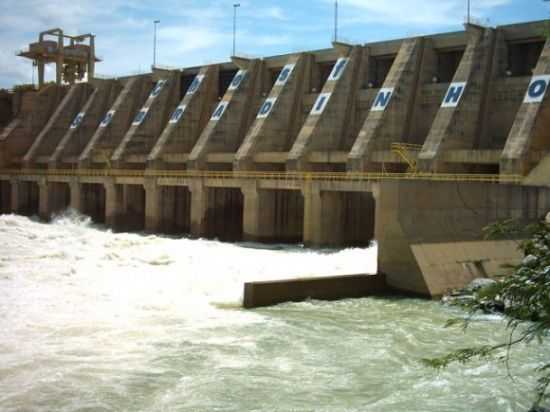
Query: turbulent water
(96, 321)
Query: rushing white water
(91, 320)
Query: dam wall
(410, 143)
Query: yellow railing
(406, 146)
(407, 152)
(296, 176)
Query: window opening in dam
(347, 218)
(382, 66)
(447, 64)
(185, 82)
(27, 198)
(523, 57)
(224, 216)
(225, 79)
(59, 197)
(133, 206)
(5, 197)
(280, 217)
(273, 76)
(324, 71)
(175, 210)
(92, 197)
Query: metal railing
(408, 152)
(295, 176)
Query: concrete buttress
(277, 122)
(46, 142)
(390, 116)
(188, 120)
(116, 121)
(230, 120)
(150, 120)
(459, 121)
(85, 123)
(529, 133)
(326, 126)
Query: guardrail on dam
(416, 143)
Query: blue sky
(196, 32)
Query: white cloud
(414, 12)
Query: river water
(96, 321)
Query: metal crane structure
(73, 60)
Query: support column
(258, 213)
(16, 196)
(312, 214)
(40, 67)
(199, 206)
(333, 221)
(153, 202)
(44, 201)
(76, 196)
(113, 203)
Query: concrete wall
(408, 213)
(6, 108)
(35, 110)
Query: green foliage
(523, 296)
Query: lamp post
(235, 7)
(155, 42)
(336, 20)
(468, 15)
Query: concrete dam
(415, 143)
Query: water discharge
(93, 320)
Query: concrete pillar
(251, 212)
(40, 67)
(199, 206)
(76, 196)
(153, 206)
(258, 213)
(332, 224)
(16, 196)
(312, 214)
(44, 200)
(113, 203)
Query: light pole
(155, 43)
(468, 18)
(235, 7)
(336, 20)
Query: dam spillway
(416, 143)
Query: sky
(198, 32)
